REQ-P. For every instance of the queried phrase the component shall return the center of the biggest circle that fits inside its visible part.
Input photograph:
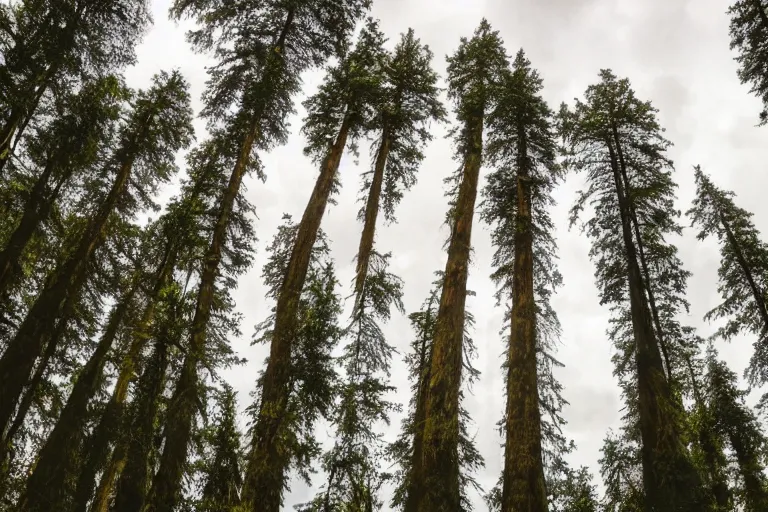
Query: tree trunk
(132, 486)
(107, 482)
(415, 488)
(265, 474)
(109, 424)
(670, 482)
(641, 252)
(36, 210)
(523, 486)
(756, 292)
(19, 357)
(439, 473)
(56, 459)
(755, 492)
(371, 214)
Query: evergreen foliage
(749, 34)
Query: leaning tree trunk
(36, 210)
(438, 469)
(523, 485)
(266, 470)
(19, 358)
(755, 492)
(670, 482)
(132, 485)
(56, 461)
(371, 215)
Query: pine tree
(615, 137)
(262, 49)
(749, 34)
(621, 469)
(55, 44)
(473, 72)
(340, 111)
(313, 380)
(407, 101)
(521, 144)
(739, 425)
(743, 272)
(159, 125)
(70, 144)
(418, 361)
(575, 492)
(221, 490)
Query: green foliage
(620, 467)
(749, 33)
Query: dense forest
(127, 236)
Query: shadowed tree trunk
(523, 486)
(371, 214)
(265, 473)
(438, 468)
(755, 492)
(56, 459)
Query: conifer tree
(473, 74)
(70, 144)
(739, 425)
(743, 272)
(575, 492)
(312, 379)
(407, 101)
(521, 144)
(621, 469)
(55, 44)
(159, 125)
(418, 361)
(749, 34)
(262, 49)
(616, 139)
(340, 111)
(223, 478)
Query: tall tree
(521, 144)
(158, 125)
(621, 469)
(739, 425)
(340, 111)
(411, 439)
(615, 137)
(473, 74)
(52, 45)
(743, 272)
(262, 50)
(749, 35)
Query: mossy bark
(523, 485)
(267, 462)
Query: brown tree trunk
(56, 459)
(756, 292)
(670, 482)
(523, 485)
(107, 482)
(19, 357)
(415, 488)
(36, 210)
(265, 474)
(371, 214)
(131, 488)
(439, 472)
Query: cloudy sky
(675, 53)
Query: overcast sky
(676, 54)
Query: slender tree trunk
(108, 478)
(265, 474)
(36, 210)
(523, 486)
(371, 214)
(134, 479)
(17, 361)
(641, 252)
(757, 294)
(56, 462)
(415, 488)
(714, 458)
(755, 492)
(439, 473)
(670, 482)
